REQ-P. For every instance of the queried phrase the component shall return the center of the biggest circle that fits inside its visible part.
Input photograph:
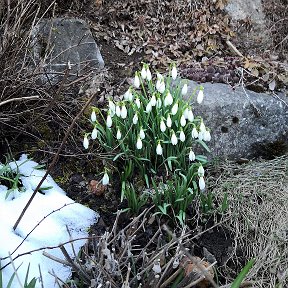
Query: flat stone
(243, 124)
(60, 41)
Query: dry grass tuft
(258, 215)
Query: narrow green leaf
(203, 144)
(237, 282)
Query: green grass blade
(237, 282)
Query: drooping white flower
(184, 89)
(86, 142)
(192, 156)
(202, 127)
(139, 144)
(168, 100)
(174, 72)
(118, 135)
(153, 100)
(123, 113)
(149, 107)
(201, 171)
(94, 133)
(159, 149)
(185, 113)
(162, 126)
(137, 102)
(194, 133)
(174, 139)
(190, 116)
(159, 103)
(109, 121)
(93, 116)
(159, 76)
(144, 73)
(112, 108)
(142, 133)
(201, 135)
(128, 95)
(105, 179)
(136, 81)
(118, 111)
(135, 119)
(182, 136)
(148, 74)
(201, 183)
(200, 96)
(182, 120)
(160, 86)
(207, 136)
(174, 109)
(169, 121)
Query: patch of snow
(62, 213)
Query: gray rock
(257, 36)
(243, 124)
(59, 41)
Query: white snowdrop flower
(174, 109)
(128, 95)
(169, 121)
(160, 86)
(200, 96)
(159, 76)
(135, 119)
(137, 102)
(93, 116)
(139, 144)
(148, 74)
(94, 133)
(190, 116)
(159, 103)
(168, 100)
(182, 121)
(149, 107)
(192, 156)
(201, 183)
(201, 171)
(153, 100)
(182, 136)
(162, 126)
(202, 127)
(159, 149)
(184, 89)
(194, 133)
(185, 113)
(109, 121)
(123, 113)
(174, 139)
(118, 135)
(201, 135)
(112, 108)
(118, 110)
(86, 142)
(105, 179)
(174, 72)
(144, 73)
(207, 136)
(136, 81)
(142, 133)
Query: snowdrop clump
(153, 126)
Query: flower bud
(105, 179)
(174, 72)
(93, 116)
(162, 126)
(139, 143)
(142, 133)
(201, 183)
(109, 121)
(174, 109)
(183, 121)
(201, 171)
(118, 135)
(174, 139)
(184, 89)
(94, 133)
(159, 149)
(169, 121)
(135, 119)
(182, 136)
(195, 133)
(200, 96)
(192, 155)
(86, 142)
(123, 112)
(136, 81)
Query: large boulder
(254, 32)
(243, 124)
(62, 43)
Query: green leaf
(117, 156)
(237, 282)
(46, 188)
(39, 167)
(203, 159)
(203, 145)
